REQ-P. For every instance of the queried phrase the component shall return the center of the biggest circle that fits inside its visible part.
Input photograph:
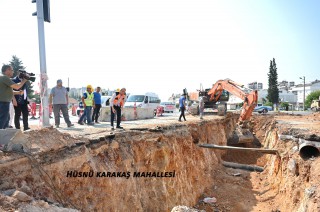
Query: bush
(312, 96)
(284, 104)
(268, 104)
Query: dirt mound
(315, 115)
(22, 202)
(50, 139)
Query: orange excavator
(250, 99)
(220, 93)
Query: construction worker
(116, 103)
(97, 101)
(88, 103)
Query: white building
(255, 85)
(309, 87)
(284, 96)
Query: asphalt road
(165, 117)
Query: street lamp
(304, 90)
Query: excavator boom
(250, 99)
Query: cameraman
(6, 94)
(22, 105)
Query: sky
(163, 46)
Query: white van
(147, 100)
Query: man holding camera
(6, 93)
(21, 105)
(60, 100)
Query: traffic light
(46, 10)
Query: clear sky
(164, 46)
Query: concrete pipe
(309, 149)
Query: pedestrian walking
(182, 105)
(59, 99)
(88, 104)
(116, 104)
(97, 102)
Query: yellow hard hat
(118, 90)
(89, 86)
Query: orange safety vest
(119, 98)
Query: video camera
(25, 75)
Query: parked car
(147, 100)
(168, 107)
(262, 109)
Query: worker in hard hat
(88, 104)
(116, 103)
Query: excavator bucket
(240, 136)
(13, 140)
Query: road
(165, 118)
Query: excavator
(220, 93)
(250, 99)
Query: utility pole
(304, 91)
(43, 14)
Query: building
(285, 85)
(284, 96)
(298, 91)
(255, 85)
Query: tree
(273, 91)
(312, 96)
(17, 65)
(284, 105)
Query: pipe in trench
(308, 149)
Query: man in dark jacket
(22, 105)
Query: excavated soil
(52, 172)
(288, 182)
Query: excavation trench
(157, 168)
(134, 170)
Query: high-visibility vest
(118, 98)
(88, 100)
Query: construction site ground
(280, 187)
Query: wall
(128, 114)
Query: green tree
(312, 96)
(17, 65)
(284, 105)
(268, 104)
(273, 90)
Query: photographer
(22, 105)
(6, 94)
